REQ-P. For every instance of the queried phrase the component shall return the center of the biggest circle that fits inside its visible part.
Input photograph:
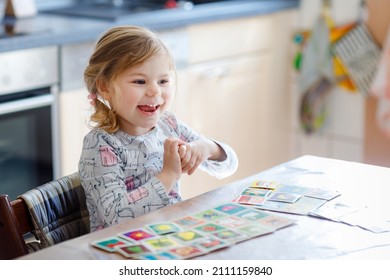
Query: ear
(103, 87)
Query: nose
(153, 90)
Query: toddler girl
(132, 160)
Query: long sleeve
(218, 169)
(117, 182)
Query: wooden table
(308, 238)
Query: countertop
(47, 29)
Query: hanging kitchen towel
(380, 88)
(316, 77)
(316, 57)
(360, 55)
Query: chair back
(53, 212)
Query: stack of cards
(270, 195)
(194, 235)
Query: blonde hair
(118, 50)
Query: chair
(52, 213)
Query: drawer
(215, 40)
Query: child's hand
(194, 153)
(172, 168)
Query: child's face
(146, 91)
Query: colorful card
(252, 215)
(254, 230)
(109, 244)
(293, 189)
(129, 251)
(210, 244)
(285, 197)
(210, 215)
(232, 222)
(209, 227)
(164, 228)
(230, 208)
(187, 235)
(251, 200)
(262, 184)
(187, 252)
(230, 235)
(158, 256)
(188, 222)
(161, 243)
(136, 235)
(256, 192)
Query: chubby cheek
(168, 96)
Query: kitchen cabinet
(234, 90)
(74, 107)
(74, 116)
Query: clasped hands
(182, 157)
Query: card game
(221, 226)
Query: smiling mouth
(148, 108)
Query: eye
(164, 81)
(139, 82)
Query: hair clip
(92, 97)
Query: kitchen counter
(48, 29)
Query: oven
(29, 138)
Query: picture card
(256, 192)
(230, 235)
(368, 220)
(250, 200)
(188, 251)
(109, 244)
(322, 193)
(136, 235)
(188, 221)
(230, 208)
(187, 235)
(164, 228)
(209, 227)
(130, 251)
(254, 230)
(333, 210)
(210, 215)
(210, 244)
(303, 206)
(294, 189)
(252, 215)
(232, 222)
(285, 197)
(263, 184)
(161, 243)
(158, 256)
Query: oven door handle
(26, 104)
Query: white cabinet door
(226, 100)
(74, 117)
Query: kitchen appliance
(29, 144)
